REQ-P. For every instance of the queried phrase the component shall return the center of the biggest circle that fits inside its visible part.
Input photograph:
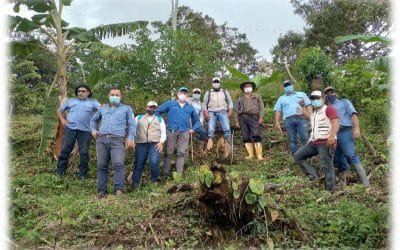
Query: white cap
(196, 89)
(316, 93)
(152, 103)
(216, 79)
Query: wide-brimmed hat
(248, 82)
(329, 88)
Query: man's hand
(191, 131)
(94, 134)
(237, 125)
(129, 144)
(64, 122)
(356, 134)
(230, 113)
(331, 141)
(159, 147)
(260, 120)
(278, 126)
(206, 115)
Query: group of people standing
(116, 129)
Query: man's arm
(61, 113)
(332, 137)
(205, 108)
(93, 124)
(278, 120)
(262, 110)
(356, 125)
(230, 104)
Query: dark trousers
(68, 142)
(325, 159)
(250, 128)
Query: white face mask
(216, 85)
(182, 97)
(248, 89)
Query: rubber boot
(209, 143)
(258, 147)
(359, 169)
(250, 150)
(226, 149)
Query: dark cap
(183, 89)
(287, 82)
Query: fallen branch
(369, 146)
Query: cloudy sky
(263, 21)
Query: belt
(344, 127)
(295, 116)
(250, 115)
(110, 136)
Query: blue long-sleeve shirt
(80, 111)
(116, 121)
(178, 117)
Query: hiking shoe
(101, 195)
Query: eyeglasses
(82, 90)
(196, 92)
(215, 81)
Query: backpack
(209, 94)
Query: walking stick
(233, 131)
(191, 140)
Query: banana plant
(47, 21)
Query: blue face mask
(316, 103)
(331, 98)
(196, 96)
(115, 99)
(288, 89)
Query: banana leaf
(49, 121)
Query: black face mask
(150, 111)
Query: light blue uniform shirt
(289, 105)
(178, 118)
(345, 110)
(115, 121)
(79, 112)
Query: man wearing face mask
(116, 134)
(182, 120)
(293, 105)
(218, 106)
(249, 117)
(150, 137)
(80, 111)
(324, 126)
(198, 106)
(349, 130)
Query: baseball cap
(329, 88)
(196, 90)
(316, 93)
(216, 79)
(287, 82)
(183, 89)
(152, 103)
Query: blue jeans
(296, 126)
(110, 148)
(222, 117)
(325, 160)
(345, 152)
(144, 150)
(69, 138)
(202, 133)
